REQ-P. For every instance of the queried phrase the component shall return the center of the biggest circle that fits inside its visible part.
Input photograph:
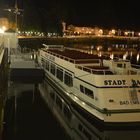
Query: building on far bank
(76, 30)
(87, 31)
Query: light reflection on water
(122, 51)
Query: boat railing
(75, 61)
(135, 66)
(62, 56)
(100, 71)
(53, 46)
(135, 69)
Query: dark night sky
(123, 14)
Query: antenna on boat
(17, 12)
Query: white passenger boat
(99, 88)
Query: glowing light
(83, 103)
(4, 28)
(109, 48)
(126, 33)
(1, 31)
(100, 54)
(131, 54)
(113, 31)
(125, 55)
(99, 48)
(138, 57)
(76, 98)
(111, 56)
(100, 32)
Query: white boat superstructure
(107, 89)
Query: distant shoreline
(96, 40)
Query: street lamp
(2, 29)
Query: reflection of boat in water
(74, 123)
(95, 87)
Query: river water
(27, 116)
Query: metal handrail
(93, 71)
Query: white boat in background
(96, 87)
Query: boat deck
(84, 61)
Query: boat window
(53, 69)
(68, 79)
(119, 65)
(86, 91)
(43, 63)
(124, 65)
(82, 89)
(89, 92)
(59, 73)
(47, 65)
(42, 59)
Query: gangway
(23, 65)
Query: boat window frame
(119, 65)
(86, 91)
(68, 82)
(59, 73)
(89, 92)
(52, 68)
(47, 67)
(82, 89)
